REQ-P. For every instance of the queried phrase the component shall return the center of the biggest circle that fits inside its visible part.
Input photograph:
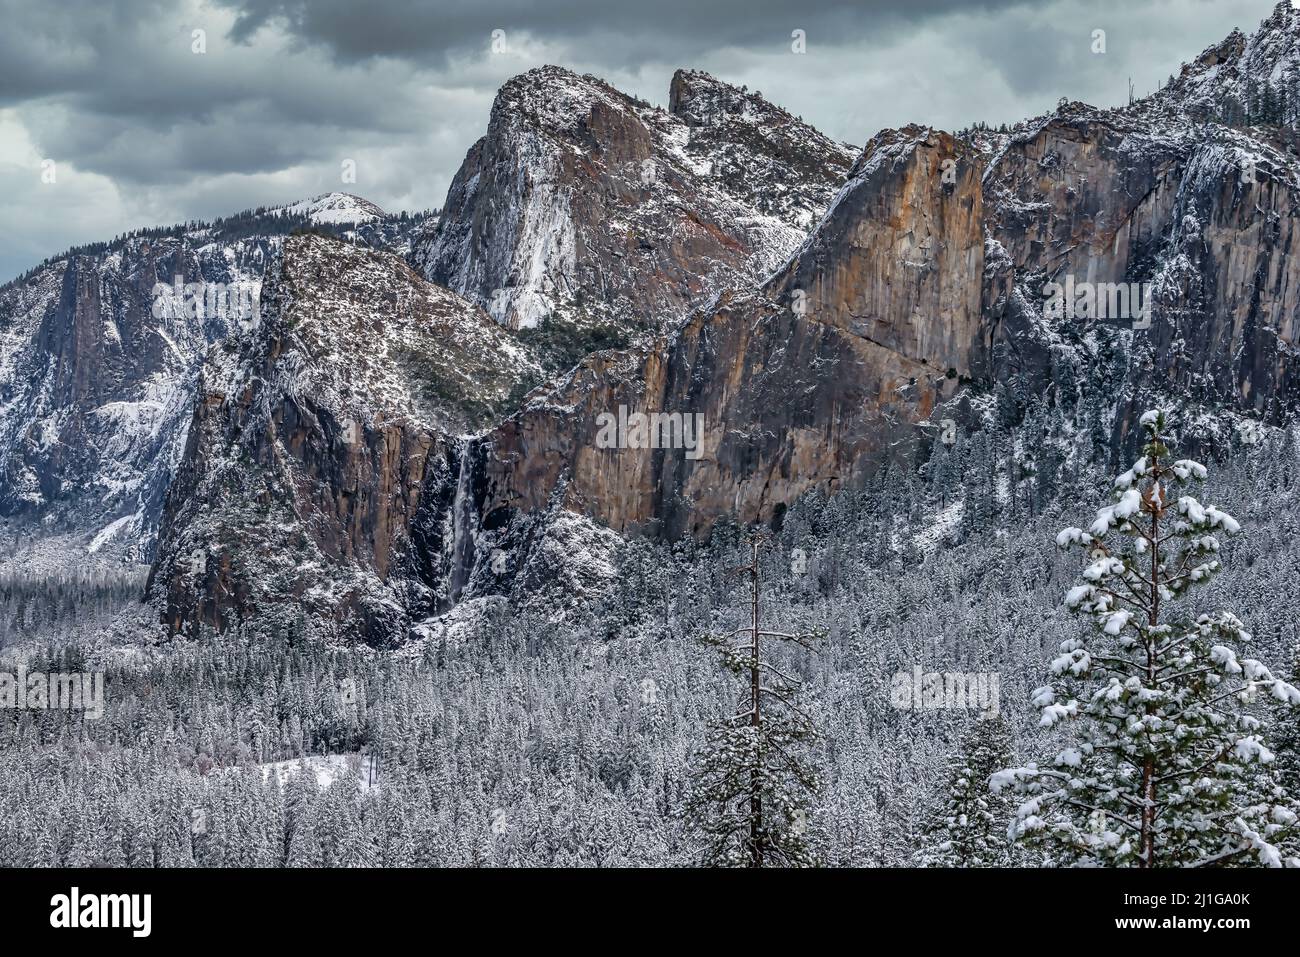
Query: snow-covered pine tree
(749, 803)
(1287, 743)
(1166, 768)
(969, 828)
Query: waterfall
(462, 524)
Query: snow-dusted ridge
(96, 393)
(333, 208)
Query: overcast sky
(142, 130)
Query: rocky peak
(1241, 79)
(1226, 50)
(335, 207)
(585, 208)
(760, 153)
(701, 99)
(924, 278)
(555, 100)
(814, 381)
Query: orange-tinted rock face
(807, 384)
(821, 376)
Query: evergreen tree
(1288, 744)
(750, 802)
(1167, 768)
(969, 829)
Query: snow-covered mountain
(757, 152)
(1243, 79)
(823, 315)
(97, 375)
(334, 208)
(586, 208)
(96, 389)
(921, 297)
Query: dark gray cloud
(144, 130)
(437, 32)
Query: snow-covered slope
(334, 208)
(758, 153)
(1242, 79)
(97, 378)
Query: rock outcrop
(588, 209)
(809, 382)
(319, 432)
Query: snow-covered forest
(525, 738)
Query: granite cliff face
(584, 208)
(319, 432)
(930, 273)
(808, 382)
(97, 382)
(94, 386)
(1204, 218)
